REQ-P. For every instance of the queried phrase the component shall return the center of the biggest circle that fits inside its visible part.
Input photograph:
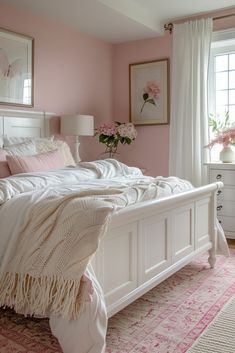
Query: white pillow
(22, 149)
(8, 140)
(61, 145)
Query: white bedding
(121, 185)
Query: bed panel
(202, 230)
(20, 123)
(117, 265)
(183, 221)
(153, 246)
(23, 127)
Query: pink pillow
(37, 163)
(4, 168)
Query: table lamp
(77, 125)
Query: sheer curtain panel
(189, 115)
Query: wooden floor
(231, 243)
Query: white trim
(223, 35)
(25, 113)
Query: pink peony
(152, 89)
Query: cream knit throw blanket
(53, 248)
(41, 273)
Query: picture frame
(16, 69)
(149, 92)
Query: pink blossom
(108, 129)
(127, 130)
(152, 89)
(226, 138)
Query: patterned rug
(168, 319)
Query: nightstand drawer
(226, 176)
(226, 193)
(226, 208)
(227, 223)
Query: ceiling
(118, 21)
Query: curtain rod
(169, 26)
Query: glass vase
(110, 152)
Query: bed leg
(212, 258)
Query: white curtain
(189, 115)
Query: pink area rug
(168, 319)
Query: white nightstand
(225, 172)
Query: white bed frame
(147, 242)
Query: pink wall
(72, 71)
(151, 148)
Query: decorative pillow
(62, 146)
(37, 163)
(8, 140)
(4, 168)
(22, 149)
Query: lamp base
(77, 156)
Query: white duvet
(115, 186)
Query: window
(27, 91)
(222, 82)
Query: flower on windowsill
(111, 134)
(224, 132)
(151, 94)
(225, 138)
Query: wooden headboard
(20, 123)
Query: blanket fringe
(41, 296)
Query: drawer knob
(218, 176)
(219, 207)
(219, 192)
(220, 222)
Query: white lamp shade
(77, 125)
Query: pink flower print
(151, 93)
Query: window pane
(232, 96)
(221, 97)
(221, 110)
(232, 62)
(221, 80)
(232, 113)
(231, 79)
(26, 91)
(221, 62)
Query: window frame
(222, 42)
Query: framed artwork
(149, 96)
(16, 69)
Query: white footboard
(148, 242)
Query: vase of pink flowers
(226, 138)
(111, 134)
